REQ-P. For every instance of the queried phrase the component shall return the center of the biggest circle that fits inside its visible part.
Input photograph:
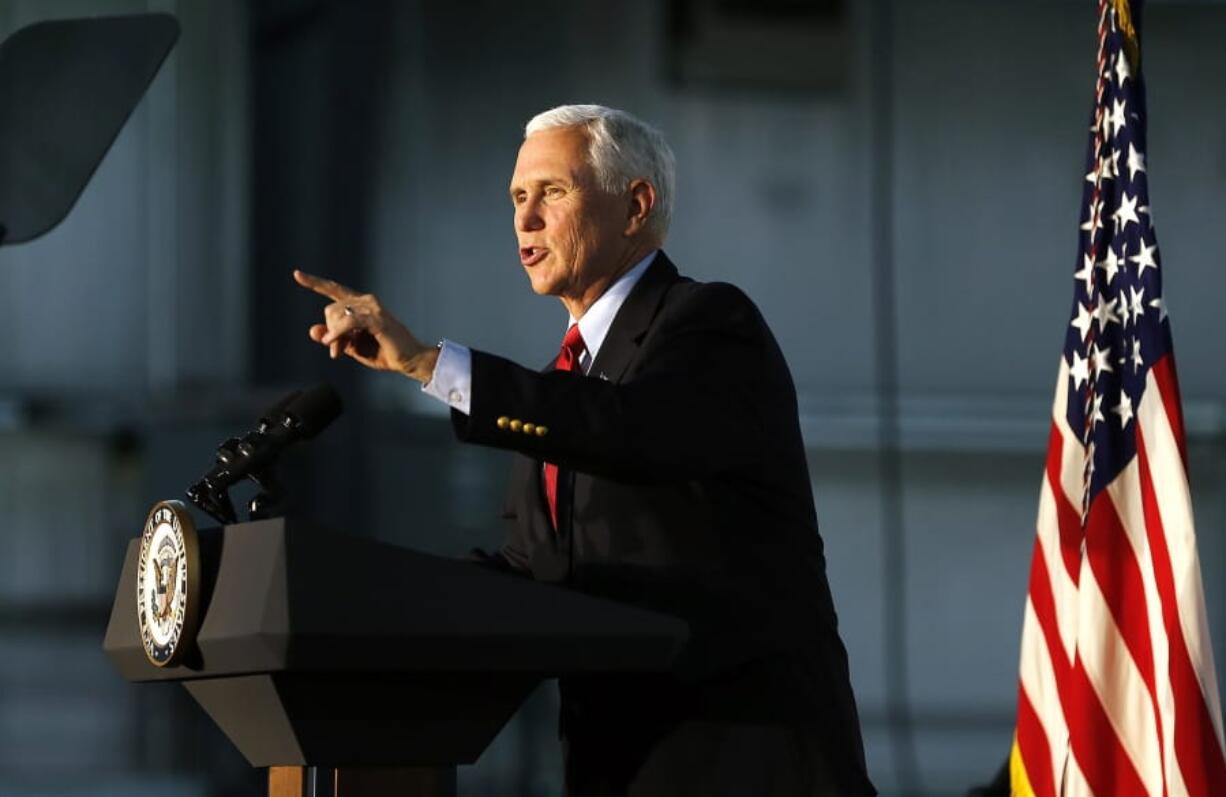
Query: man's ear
(642, 201)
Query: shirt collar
(594, 325)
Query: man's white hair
(622, 148)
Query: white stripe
(1063, 587)
(1125, 493)
(1117, 681)
(1075, 784)
(1170, 486)
(1175, 785)
(1064, 591)
(1072, 455)
(1038, 679)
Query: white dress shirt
(453, 372)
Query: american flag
(1118, 693)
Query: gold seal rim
(191, 552)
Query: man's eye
(553, 192)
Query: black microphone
(299, 416)
(310, 411)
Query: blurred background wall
(828, 153)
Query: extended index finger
(324, 286)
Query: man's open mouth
(531, 255)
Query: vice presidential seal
(167, 582)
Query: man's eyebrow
(536, 182)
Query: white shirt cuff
(453, 377)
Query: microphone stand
(214, 499)
(268, 502)
(297, 417)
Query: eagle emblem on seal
(167, 576)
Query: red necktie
(568, 360)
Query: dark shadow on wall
(318, 75)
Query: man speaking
(660, 464)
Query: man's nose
(528, 217)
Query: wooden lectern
(352, 667)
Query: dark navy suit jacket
(683, 488)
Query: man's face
(570, 231)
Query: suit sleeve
(692, 408)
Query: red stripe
(1119, 578)
(1045, 611)
(1068, 518)
(1036, 754)
(1168, 387)
(1118, 575)
(1196, 745)
(1107, 768)
(1102, 759)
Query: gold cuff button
(516, 424)
(541, 431)
(529, 428)
(503, 422)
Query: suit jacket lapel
(633, 319)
